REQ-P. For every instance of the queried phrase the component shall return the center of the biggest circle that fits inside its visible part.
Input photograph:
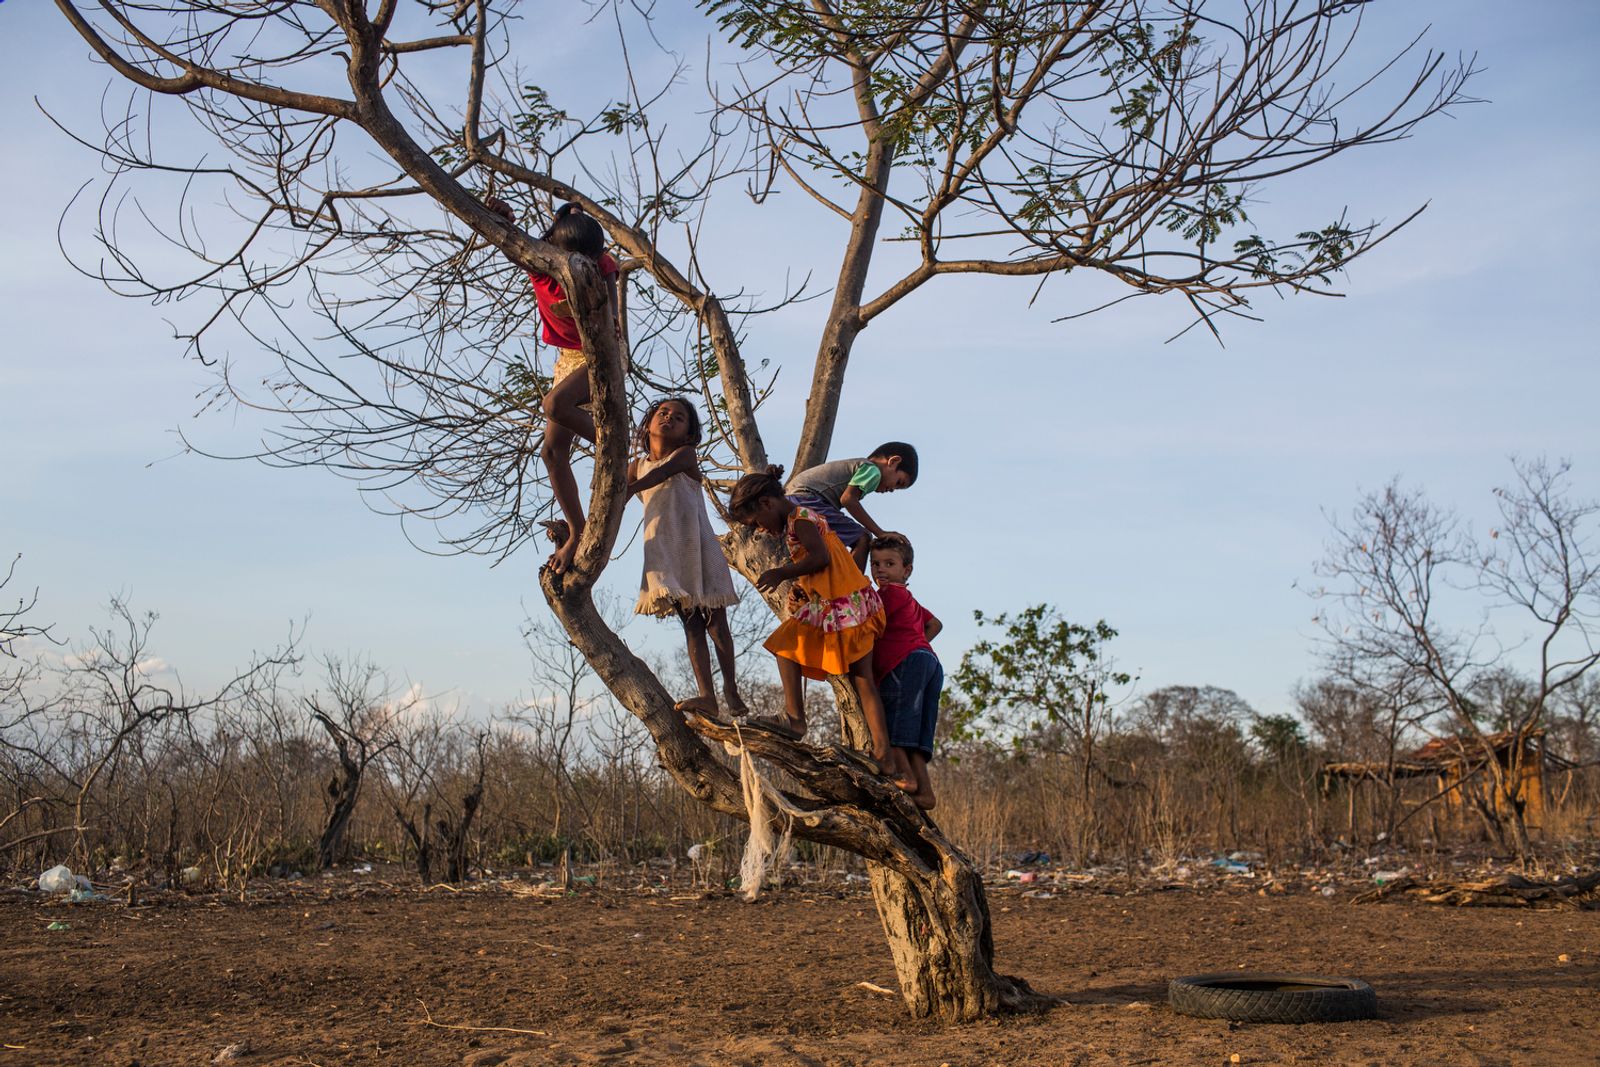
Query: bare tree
(1201, 731)
(565, 693)
(1576, 722)
(1398, 558)
(15, 627)
(18, 708)
(116, 707)
(358, 715)
(426, 762)
(1369, 720)
(1125, 139)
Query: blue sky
(1177, 490)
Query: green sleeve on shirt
(866, 478)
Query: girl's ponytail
(754, 487)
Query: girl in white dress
(685, 572)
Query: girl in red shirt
(564, 405)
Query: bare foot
(705, 707)
(561, 562)
(736, 707)
(898, 770)
(925, 801)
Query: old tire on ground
(1272, 998)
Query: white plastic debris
(697, 852)
(57, 879)
(189, 876)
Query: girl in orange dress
(835, 615)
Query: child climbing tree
(1124, 140)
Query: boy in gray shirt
(834, 491)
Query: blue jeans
(911, 701)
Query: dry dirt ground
(620, 977)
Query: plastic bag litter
(57, 880)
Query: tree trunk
(456, 837)
(937, 926)
(345, 791)
(422, 840)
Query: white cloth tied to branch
(762, 855)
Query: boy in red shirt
(910, 678)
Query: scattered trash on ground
(57, 880)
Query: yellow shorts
(571, 359)
(567, 361)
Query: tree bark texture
(345, 789)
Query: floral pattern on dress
(841, 613)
